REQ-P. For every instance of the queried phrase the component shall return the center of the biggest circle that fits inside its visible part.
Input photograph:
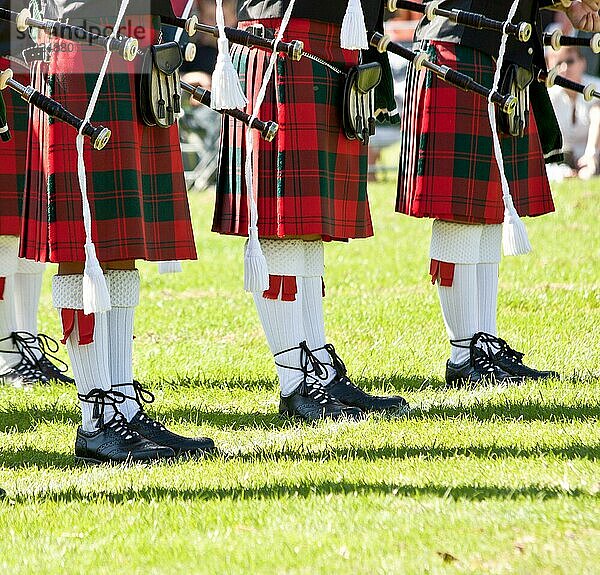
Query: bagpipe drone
(128, 49)
(521, 31)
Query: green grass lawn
(490, 480)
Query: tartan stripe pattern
(447, 166)
(135, 184)
(310, 179)
(12, 157)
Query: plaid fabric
(447, 166)
(311, 179)
(135, 184)
(12, 157)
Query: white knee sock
(9, 357)
(312, 305)
(487, 291)
(487, 277)
(458, 244)
(89, 361)
(124, 296)
(28, 285)
(9, 246)
(282, 320)
(459, 309)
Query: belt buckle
(261, 31)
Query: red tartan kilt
(13, 155)
(310, 179)
(447, 166)
(135, 185)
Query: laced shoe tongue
(118, 424)
(482, 361)
(318, 392)
(147, 419)
(30, 371)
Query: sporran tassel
(354, 31)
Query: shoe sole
(91, 461)
(457, 383)
(289, 415)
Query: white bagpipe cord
(354, 33)
(514, 234)
(95, 291)
(226, 91)
(185, 14)
(256, 273)
(174, 266)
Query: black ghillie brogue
(114, 441)
(311, 401)
(35, 365)
(342, 388)
(480, 368)
(156, 432)
(511, 361)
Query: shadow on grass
(510, 411)
(26, 418)
(304, 453)
(32, 457)
(309, 490)
(392, 382)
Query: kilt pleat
(136, 187)
(13, 156)
(311, 179)
(447, 168)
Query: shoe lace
(145, 418)
(118, 424)
(480, 356)
(314, 373)
(506, 351)
(100, 398)
(48, 346)
(142, 395)
(336, 361)
(22, 343)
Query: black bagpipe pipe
(557, 40)
(293, 49)
(551, 77)
(521, 31)
(267, 130)
(99, 135)
(419, 59)
(126, 47)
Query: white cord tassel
(256, 272)
(226, 91)
(170, 267)
(354, 31)
(514, 234)
(96, 298)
